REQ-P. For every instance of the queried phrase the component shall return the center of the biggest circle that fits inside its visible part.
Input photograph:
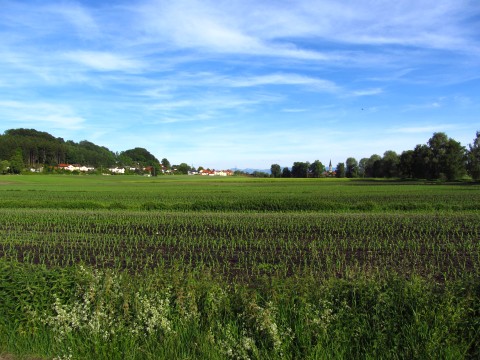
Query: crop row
(247, 245)
(247, 196)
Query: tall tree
(275, 171)
(421, 159)
(4, 166)
(447, 157)
(166, 164)
(340, 170)
(390, 162)
(405, 166)
(351, 169)
(183, 168)
(141, 156)
(286, 173)
(438, 147)
(316, 169)
(300, 169)
(454, 166)
(362, 167)
(473, 158)
(17, 165)
(373, 167)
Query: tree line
(441, 158)
(29, 148)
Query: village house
(75, 167)
(117, 170)
(208, 172)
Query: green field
(130, 267)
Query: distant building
(75, 167)
(329, 172)
(208, 172)
(117, 170)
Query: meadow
(188, 267)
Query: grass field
(129, 267)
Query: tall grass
(85, 313)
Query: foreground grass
(83, 313)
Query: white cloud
(215, 81)
(78, 16)
(367, 92)
(285, 79)
(423, 129)
(215, 27)
(291, 110)
(269, 29)
(209, 106)
(35, 114)
(372, 22)
(103, 61)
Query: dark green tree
(454, 166)
(124, 160)
(316, 169)
(37, 147)
(405, 166)
(351, 169)
(438, 148)
(473, 158)
(300, 169)
(141, 156)
(373, 166)
(156, 169)
(447, 157)
(390, 163)
(260, 174)
(17, 165)
(88, 153)
(340, 170)
(362, 167)
(4, 166)
(239, 173)
(286, 173)
(275, 171)
(421, 160)
(183, 168)
(166, 164)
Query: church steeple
(330, 166)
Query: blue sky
(243, 83)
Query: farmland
(192, 267)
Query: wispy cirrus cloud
(212, 106)
(423, 129)
(34, 114)
(212, 80)
(273, 29)
(293, 110)
(285, 79)
(47, 20)
(104, 61)
(214, 27)
(367, 92)
(76, 15)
